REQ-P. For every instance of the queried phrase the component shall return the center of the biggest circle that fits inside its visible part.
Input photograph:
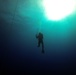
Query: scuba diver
(40, 40)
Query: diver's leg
(42, 44)
(42, 47)
(38, 43)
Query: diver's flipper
(43, 51)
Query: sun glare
(58, 9)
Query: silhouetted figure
(40, 40)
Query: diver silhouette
(40, 40)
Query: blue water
(18, 45)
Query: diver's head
(40, 33)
